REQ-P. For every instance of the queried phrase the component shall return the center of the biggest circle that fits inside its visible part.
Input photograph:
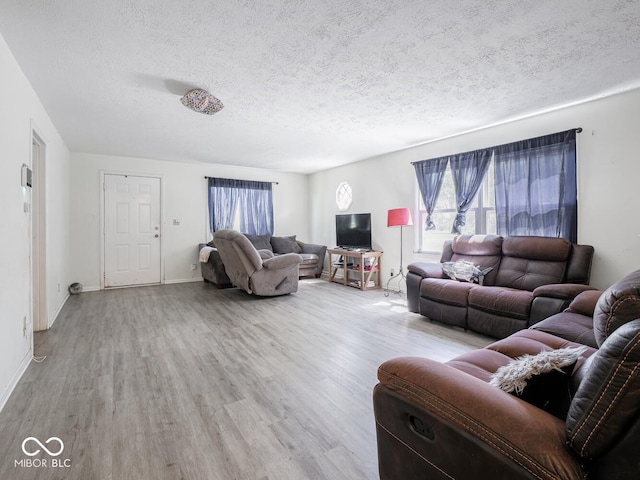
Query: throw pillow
(261, 242)
(465, 271)
(541, 380)
(285, 245)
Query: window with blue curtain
(253, 199)
(534, 182)
(468, 171)
(536, 186)
(430, 174)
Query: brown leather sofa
(531, 278)
(445, 421)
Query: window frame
(483, 206)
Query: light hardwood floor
(189, 382)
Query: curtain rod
(207, 178)
(578, 130)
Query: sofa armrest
(416, 271)
(585, 302)
(564, 291)
(319, 250)
(553, 298)
(282, 261)
(427, 269)
(463, 408)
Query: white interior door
(132, 230)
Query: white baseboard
(55, 315)
(91, 289)
(179, 280)
(16, 378)
(184, 280)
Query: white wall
(185, 198)
(20, 112)
(608, 176)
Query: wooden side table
(355, 268)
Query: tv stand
(355, 268)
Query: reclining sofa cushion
(579, 267)
(445, 291)
(499, 311)
(484, 362)
(508, 302)
(618, 305)
(529, 262)
(484, 251)
(570, 326)
(445, 300)
(575, 323)
(608, 399)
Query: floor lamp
(398, 217)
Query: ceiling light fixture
(201, 101)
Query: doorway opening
(38, 236)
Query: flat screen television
(353, 230)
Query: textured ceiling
(309, 85)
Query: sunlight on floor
(313, 280)
(398, 305)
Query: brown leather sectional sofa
(531, 278)
(445, 421)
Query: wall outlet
(194, 266)
(58, 288)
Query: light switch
(176, 221)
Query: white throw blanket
(204, 254)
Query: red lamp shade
(399, 217)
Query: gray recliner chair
(257, 272)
